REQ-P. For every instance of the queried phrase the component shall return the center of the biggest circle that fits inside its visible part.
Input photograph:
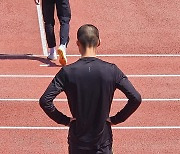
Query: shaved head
(88, 36)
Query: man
(89, 84)
(64, 16)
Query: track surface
(27, 113)
(126, 27)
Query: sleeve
(134, 98)
(56, 86)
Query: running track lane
(55, 141)
(33, 88)
(125, 26)
(152, 119)
(149, 114)
(142, 30)
(129, 65)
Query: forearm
(46, 100)
(126, 112)
(134, 100)
(53, 113)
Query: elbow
(46, 104)
(42, 102)
(138, 99)
(123, 120)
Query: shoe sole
(62, 58)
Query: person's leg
(49, 22)
(73, 150)
(64, 16)
(48, 7)
(105, 150)
(102, 150)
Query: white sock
(52, 50)
(63, 45)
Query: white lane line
(42, 31)
(66, 128)
(102, 55)
(153, 75)
(44, 65)
(115, 100)
(130, 76)
(130, 55)
(26, 76)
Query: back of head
(88, 36)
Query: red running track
(129, 65)
(126, 27)
(150, 114)
(53, 142)
(148, 87)
(130, 26)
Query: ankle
(52, 50)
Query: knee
(65, 20)
(49, 24)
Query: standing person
(64, 16)
(89, 84)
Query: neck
(89, 52)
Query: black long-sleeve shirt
(90, 84)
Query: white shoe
(52, 56)
(62, 55)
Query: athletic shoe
(62, 55)
(52, 56)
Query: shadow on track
(28, 57)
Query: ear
(99, 42)
(78, 43)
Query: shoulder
(70, 67)
(113, 68)
(106, 63)
(110, 65)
